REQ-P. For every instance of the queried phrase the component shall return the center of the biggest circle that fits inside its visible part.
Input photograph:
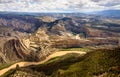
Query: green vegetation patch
(84, 49)
(8, 73)
(94, 64)
(100, 62)
(5, 65)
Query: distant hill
(110, 13)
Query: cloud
(6, 1)
(107, 3)
(58, 5)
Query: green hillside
(102, 62)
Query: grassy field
(7, 74)
(52, 60)
(2, 66)
(5, 65)
(84, 49)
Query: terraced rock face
(40, 45)
(33, 48)
(13, 50)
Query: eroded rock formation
(33, 48)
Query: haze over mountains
(109, 13)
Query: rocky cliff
(33, 48)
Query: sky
(58, 5)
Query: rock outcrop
(40, 45)
(33, 48)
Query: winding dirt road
(24, 64)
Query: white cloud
(117, 7)
(58, 5)
(108, 2)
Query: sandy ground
(24, 64)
